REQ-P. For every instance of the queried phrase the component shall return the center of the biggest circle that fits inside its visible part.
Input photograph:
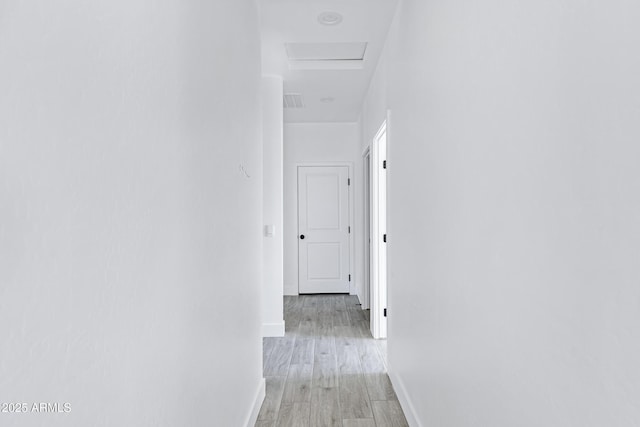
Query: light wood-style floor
(327, 371)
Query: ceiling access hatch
(326, 51)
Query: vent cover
(293, 100)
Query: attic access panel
(326, 51)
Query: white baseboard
(405, 401)
(257, 404)
(273, 329)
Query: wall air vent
(293, 100)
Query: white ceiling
(295, 23)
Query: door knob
(302, 237)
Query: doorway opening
(378, 232)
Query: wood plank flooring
(327, 371)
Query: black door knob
(302, 237)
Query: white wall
(514, 195)
(372, 116)
(312, 143)
(272, 137)
(374, 107)
(130, 240)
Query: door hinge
(349, 277)
(384, 164)
(348, 181)
(385, 312)
(384, 238)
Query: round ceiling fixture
(329, 18)
(327, 100)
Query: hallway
(152, 174)
(327, 370)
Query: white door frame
(378, 269)
(366, 189)
(349, 165)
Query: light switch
(269, 230)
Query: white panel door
(323, 229)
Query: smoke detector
(330, 18)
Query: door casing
(378, 209)
(366, 189)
